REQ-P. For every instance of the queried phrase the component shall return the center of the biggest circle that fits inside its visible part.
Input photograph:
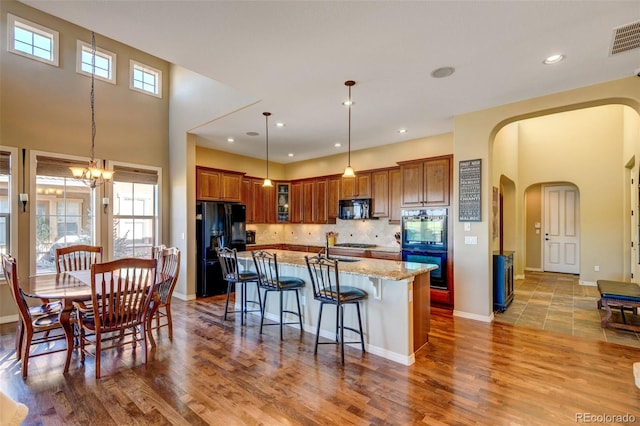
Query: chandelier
(348, 171)
(92, 175)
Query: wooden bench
(620, 295)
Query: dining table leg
(67, 326)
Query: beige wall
(46, 108)
(474, 134)
(583, 147)
(533, 215)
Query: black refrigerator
(218, 224)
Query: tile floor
(559, 303)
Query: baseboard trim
(476, 317)
(9, 318)
(587, 283)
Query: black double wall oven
(424, 240)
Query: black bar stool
(231, 274)
(327, 290)
(270, 280)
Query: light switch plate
(467, 226)
(471, 239)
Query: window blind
(58, 167)
(5, 163)
(135, 175)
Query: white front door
(562, 229)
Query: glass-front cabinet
(282, 202)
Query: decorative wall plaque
(469, 206)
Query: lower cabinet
(502, 280)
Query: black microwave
(354, 209)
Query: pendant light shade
(267, 182)
(348, 171)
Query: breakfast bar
(395, 314)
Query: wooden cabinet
(269, 202)
(395, 196)
(320, 193)
(502, 280)
(307, 202)
(386, 255)
(258, 201)
(333, 197)
(356, 187)
(247, 199)
(282, 202)
(295, 203)
(217, 185)
(380, 193)
(426, 183)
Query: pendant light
(267, 181)
(92, 175)
(348, 172)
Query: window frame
(158, 236)
(95, 201)
(54, 36)
(112, 58)
(136, 65)
(13, 203)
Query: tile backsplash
(378, 232)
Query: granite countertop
(378, 268)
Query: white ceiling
(291, 58)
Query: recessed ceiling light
(230, 140)
(290, 154)
(442, 72)
(337, 145)
(402, 131)
(252, 133)
(553, 59)
(279, 124)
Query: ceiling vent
(626, 38)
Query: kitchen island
(395, 316)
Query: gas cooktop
(355, 245)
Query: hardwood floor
(217, 372)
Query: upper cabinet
(395, 196)
(217, 185)
(310, 201)
(333, 196)
(380, 193)
(282, 202)
(426, 183)
(356, 187)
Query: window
(105, 62)
(145, 79)
(32, 40)
(65, 210)
(135, 211)
(5, 206)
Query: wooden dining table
(68, 287)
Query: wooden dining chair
(168, 264)
(122, 294)
(36, 330)
(327, 290)
(77, 257)
(271, 281)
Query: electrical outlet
(596, 268)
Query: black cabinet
(502, 280)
